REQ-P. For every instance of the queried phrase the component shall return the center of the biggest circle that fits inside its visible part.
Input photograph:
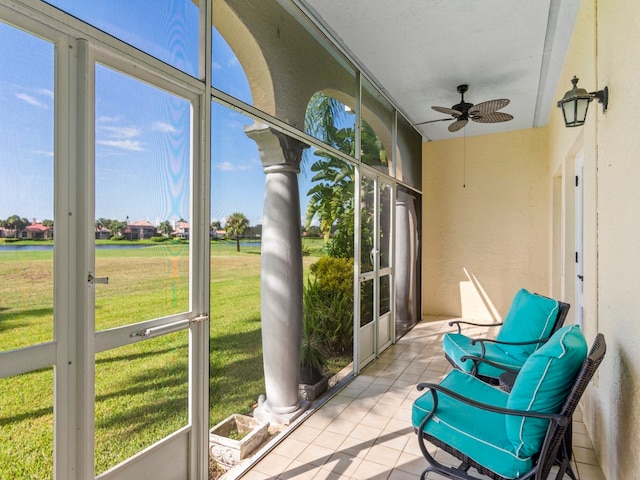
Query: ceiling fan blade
(492, 117)
(433, 121)
(489, 106)
(447, 111)
(457, 125)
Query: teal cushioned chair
(531, 320)
(509, 435)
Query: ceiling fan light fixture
(461, 113)
(575, 103)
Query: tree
(102, 223)
(17, 224)
(332, 197)
(165, 228)
(237, 223)
(322, 114)
(117, 227)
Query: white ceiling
(419, 51)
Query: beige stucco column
(281, 274)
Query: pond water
(27, 248)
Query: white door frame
(370, 340)
(75, 342)
(579, 238)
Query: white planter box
(227, 451)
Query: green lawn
(141, 389)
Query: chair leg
(566, 449)
(564, 455)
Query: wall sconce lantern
(576, 101)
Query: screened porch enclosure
(133, 134)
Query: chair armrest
(477, 360)
(528, 342)
(457, 323)
(434, 389)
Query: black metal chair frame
(563, 309)
(554, 446)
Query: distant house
(218, 234)
(103, 233)
(37, 231)
(139, 230)
(7, 232)
(182, 230)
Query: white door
(106, 348)
(151, 337)
(376, 328)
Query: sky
(142, 133)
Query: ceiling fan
(484, 112)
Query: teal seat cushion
(476, 433)
(530, 317)
(543, 385)
(456, 345)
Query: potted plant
(313, 381)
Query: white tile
(315, 455)
(329, 440)
(342, 464)
(371, 471)
(273, 464)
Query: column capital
(278, 151)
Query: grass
(141, 389)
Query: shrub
(328, 305)
(159, 239)
(334, 276)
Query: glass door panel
(384, 249)
(141, 396)
(376, 326)
(142, 264)
(368, 286)
(142, 200)
(384, 316)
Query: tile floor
(364, 432)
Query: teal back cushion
(531, 317)
(543, 385)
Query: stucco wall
(604, 50)
(486, 222)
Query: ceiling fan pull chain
(464, 159)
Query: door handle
(93, 280)
(581, 278)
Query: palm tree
(165, 228)
(322, 114)
(331, 198)
(17, 224)
(237, 223)
(117, 227)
